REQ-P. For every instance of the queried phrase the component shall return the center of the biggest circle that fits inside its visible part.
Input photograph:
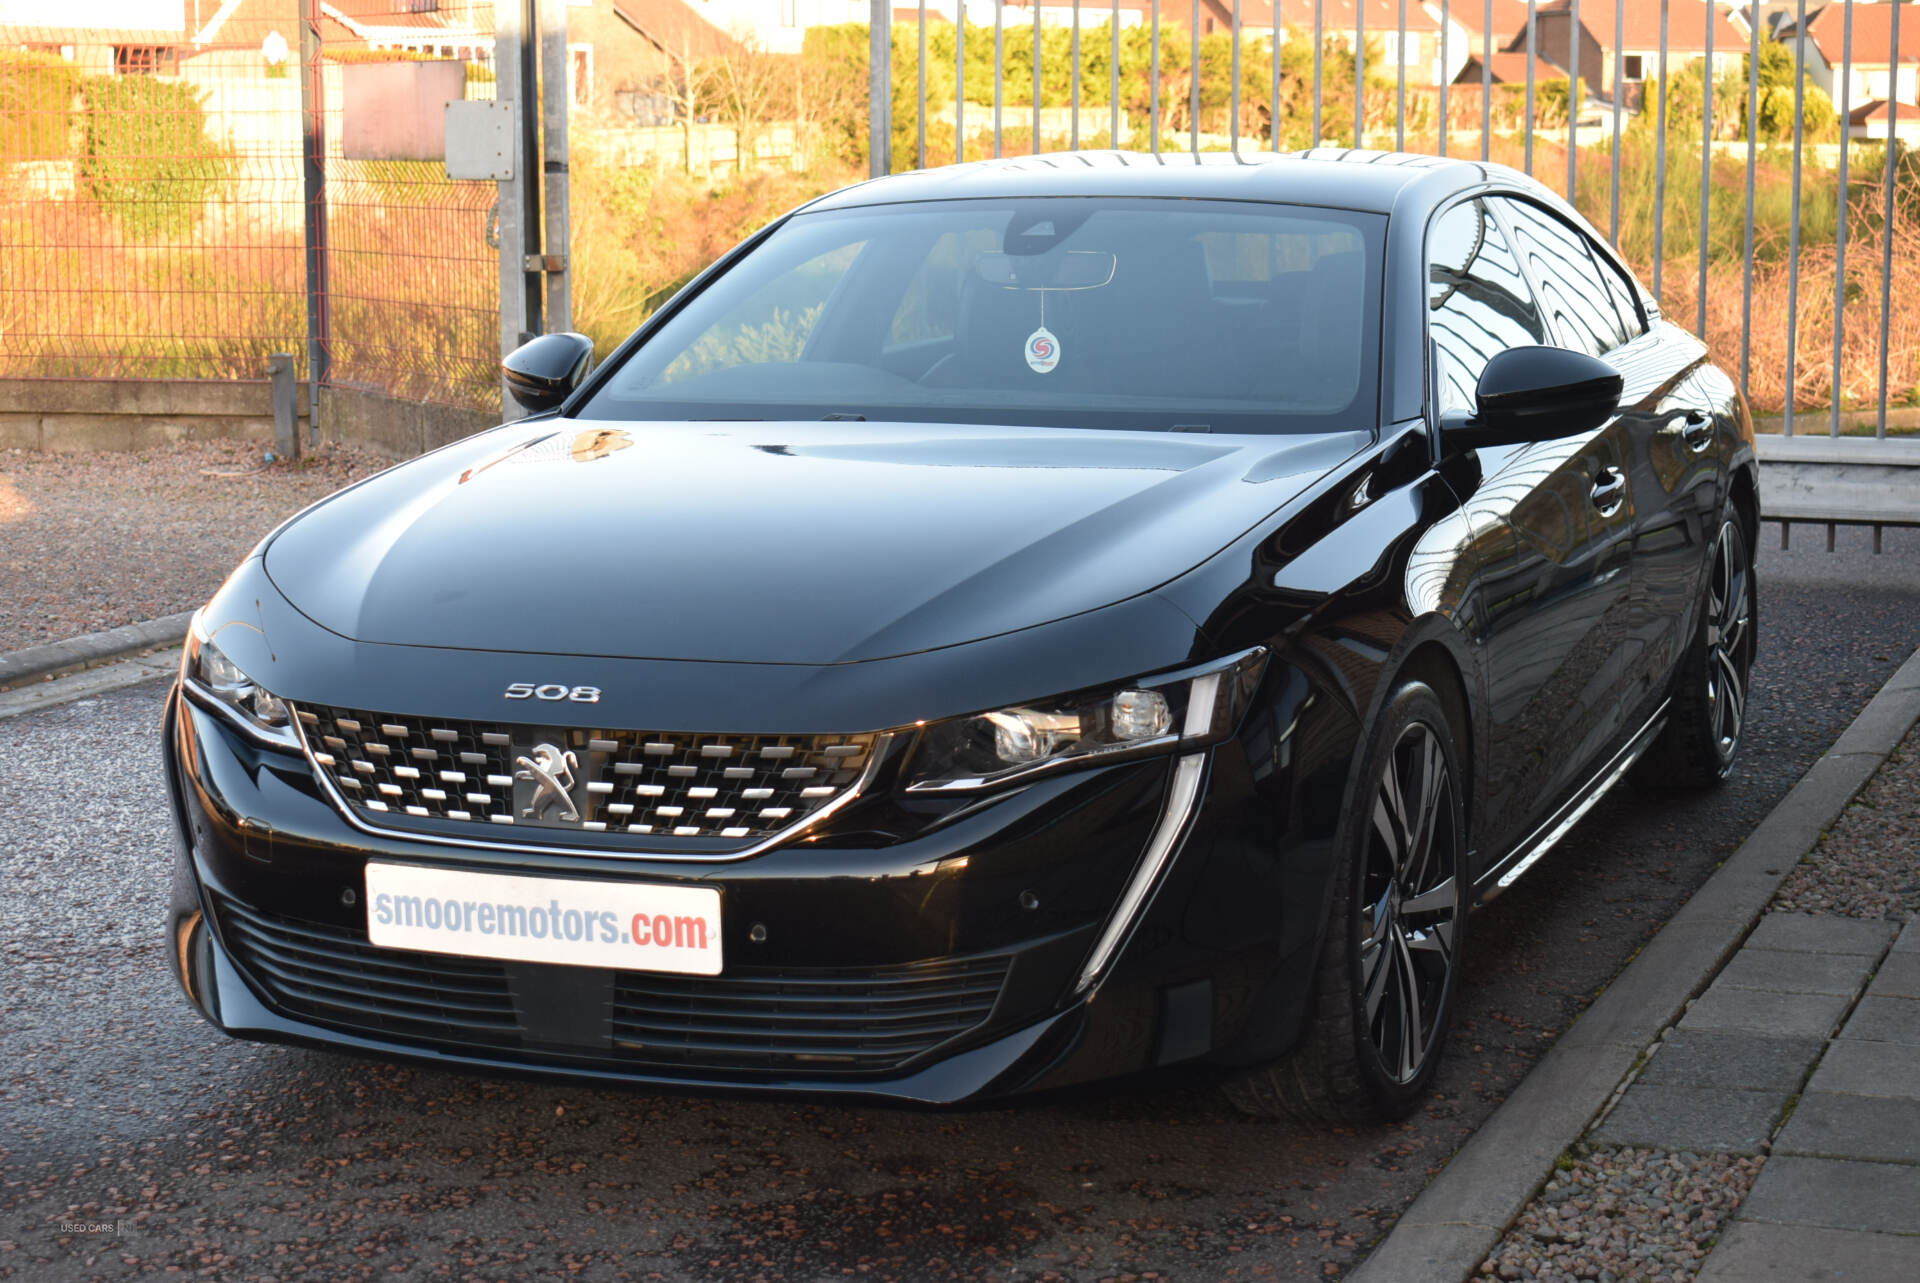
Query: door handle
(1697, 430)
(1609, 491)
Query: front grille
(334, 976)
(749, 1022)
(803, 1019)
(396, 769)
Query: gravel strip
(1625, 1216)
(92, 541)
(1868, 864)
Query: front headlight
(1188, 709)
(217, 679)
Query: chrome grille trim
(624, 807)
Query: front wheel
(1708, 715)
(1384, 987)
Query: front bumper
(936, 968)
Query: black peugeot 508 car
(998, 627)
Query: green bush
(146, 156)
(36, 105)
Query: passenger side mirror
(1530, 394)
(542, 372)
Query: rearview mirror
(1077, 269)
(1536, 394)
(541, 372)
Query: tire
(1707, 716)
(1384, 986)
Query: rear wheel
(1708, 714)
(1383, 990)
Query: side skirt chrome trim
(1543, 839)
(1181, 798)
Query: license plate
(634, 926)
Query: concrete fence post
(286, 417)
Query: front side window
(1226, 316)
(1478, 303)
(1561, 264)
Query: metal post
(1660, 163)
(1533, 54)
(1574, 96)
(1359, 74)
(529, 175)
(556, 94)
(1840, 228)
(1113, 75)
(1153, 107)
(1486, 86)
(1319, 57)
(1890, 168)
(1753, 152)
(1619, 89)
(1193, 85)
(960, 81)
(1035, 149)
(1233, 108)
(999, 63)
(1273, 110)
(313, 173)
(1073, 134)
(879, 89)
(1793, 226)
(509, 36)
(1706, 174)
(920, 67)
(1445, 25)
(1400, 83)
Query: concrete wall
(133, 414)
(397, 429)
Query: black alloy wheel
(1707, 716)
(1390, 961)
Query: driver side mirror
(1528, 394)
(542, 372)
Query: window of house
(143, 60)
(1630, 68)
(580, 65)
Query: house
(1876, 74)
(101, 37)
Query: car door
(1552, 637)
(1658, 435)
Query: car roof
(1339, 178)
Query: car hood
(800, 543)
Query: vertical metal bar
(1889, 170)
(1035, 149)
(1400, 83)
(1153, 106)
(1793, 227)
(1619, 92)
(508, 37)
(1446, 27)
(1840, 229)
(1273, 107)
(959, 81)
(1753, 153)
(1319, 58)
(1660, 164)
(920, 66)
(1574, 97)
(1113, 77)
(999, 78)
(1073, 135)
(879, 88)
(527, 108)
(1486, 86)
(556, 93)
(1533, 54)
(313, 181)
(1706, 175)
(1233, 107)
(286, 421)
(1193, 84)
(1359, 74)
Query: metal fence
(158, 220)
(1765, 195)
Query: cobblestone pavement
(170, 1147)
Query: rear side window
(1571, 281)
(1478, 302)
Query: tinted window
(1625, 297)
(1572, 290)
(1109, 313)
(1479, 303)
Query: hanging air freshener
(1043, 350)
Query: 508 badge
(554, 691)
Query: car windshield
(1193, 315)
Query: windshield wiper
(843, 417)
